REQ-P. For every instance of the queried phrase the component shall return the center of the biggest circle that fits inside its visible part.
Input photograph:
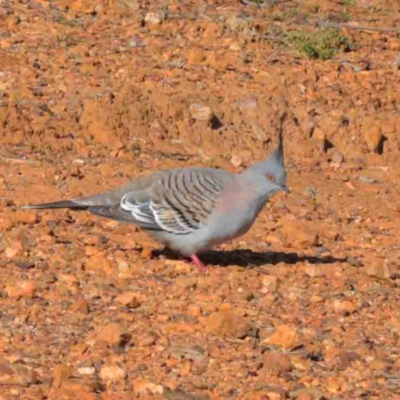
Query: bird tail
(55, 204)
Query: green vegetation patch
(320, 43)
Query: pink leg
(199, 264)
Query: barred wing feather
(178, 203)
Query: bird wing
(179, 202)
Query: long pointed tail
(56, 204)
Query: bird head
(272, 169)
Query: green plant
(258, 2)
(290, 13)
(344, 16)
(320, 43)
(315, 9)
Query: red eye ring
(271, 177)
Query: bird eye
(271, 177)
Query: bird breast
(236, 217)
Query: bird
(191, 209)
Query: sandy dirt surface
(96, 93)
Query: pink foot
(199, 264)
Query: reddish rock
(99, 262)
(129, 299)
(154, 18)
(86, 371)
(300, 234)
(200, 112)
(194, 310)
(180, 267)
(316, 299)
(13, 249)
(143, 385)
(285, 336)
(61, 375)
(394, 44)
(276, 393)
(269, 284)
(345, 358)
(186, 282)
(195, 56)
(22, 289)
(112, 373)
(80, 306)
(226, 323)
(146, 340)
(377, 268)
(336, 157)
(112, 334)
(374, 138)
(235, 46)
(26, 217)
(308, 394)
(276, 362)
(17, 375)
(343, 306)
(313, 271)
(236, 161)
(249, 102)
(6, 224)
(79, 348)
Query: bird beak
(286, 189)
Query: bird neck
(257, 185)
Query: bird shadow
(249, 259)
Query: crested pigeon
(190, 209)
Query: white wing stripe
(135, 210)
(178, 228)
